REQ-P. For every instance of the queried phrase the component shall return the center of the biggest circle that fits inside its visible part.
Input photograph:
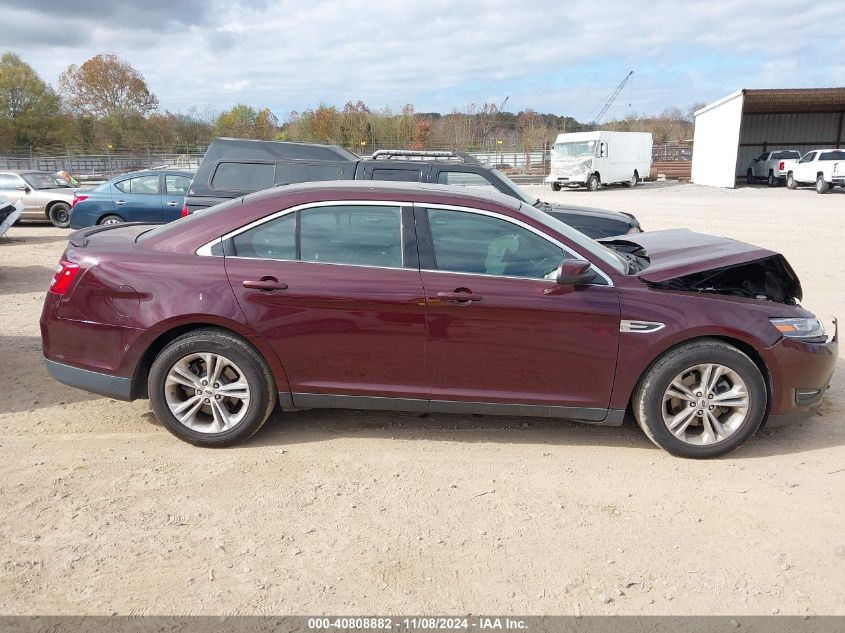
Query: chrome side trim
(528, 227)
(640, 327)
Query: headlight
(808, 329)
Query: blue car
(141, 196)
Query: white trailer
(592, 159)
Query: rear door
(138, 198)
(498, 332)
(175, 189)
(335, 289)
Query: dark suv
(232, 168)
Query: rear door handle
(172, 204)
(120, 201)
(458, 297)
(265, 284)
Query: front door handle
(265, 284)
(120, 201)
(459, 296)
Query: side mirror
(571, 273)
(22, 188)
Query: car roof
(393, 189)
(153, 172)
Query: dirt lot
(102, 510)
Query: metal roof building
(735, 129)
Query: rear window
(290, 173)
(840, 155)
(243, 176)
(786, 154)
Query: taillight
(77, 198)
(63, 278)
(781, 166)
(184, 210)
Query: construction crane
(612, 98)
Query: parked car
(234, 167)
(592, 159)
(45, 196)
(772, 166)
(141, 196)
(422, 298)
(824, 167)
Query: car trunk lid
(108, 234)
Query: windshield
(605, 254)
(520, 193)
(46, 181)
(575, 149)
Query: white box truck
(592, 159)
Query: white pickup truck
(824, 167)
(771, 166)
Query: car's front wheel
(211, 388)
(59, 215)
(593, 183)
(555, 186)
(822, 186)
(790, 181)
(772, 181)
(704, 398)
(749, 177)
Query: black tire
(749, 177)
(111, 219)
(772, 181)
(59, 214)
(635, 179)
(555, 186)
(648, 396)
(790, 181)
(255, 371)
(593, 183)
(822, 186)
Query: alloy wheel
(207, 392)
(705, 404)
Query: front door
(338, 295)
(138, 199)
(498, 331)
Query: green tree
(244, 121)
(29, 109)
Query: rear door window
(355, 234)
(243, 176)
(275, 239)
(148, 185)
(397, 175)
(176, 185)
(465, 179)
(837, 155)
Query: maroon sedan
(422, 298)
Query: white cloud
(562, 57)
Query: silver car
(46, 197)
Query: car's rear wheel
(702, 399)
(822, 186)
(790, 181)
(635, 178)
(211, 388)
(59, 215)
(749, 177)
(111, 219)
(555, 186)
(593, 183)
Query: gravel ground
(331, 511)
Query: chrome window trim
(205, 249)
(492, 214)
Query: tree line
(106, 103)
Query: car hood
(676, 253)
(62, 191)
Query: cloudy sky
(553, 56)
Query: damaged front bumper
(800, 376)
